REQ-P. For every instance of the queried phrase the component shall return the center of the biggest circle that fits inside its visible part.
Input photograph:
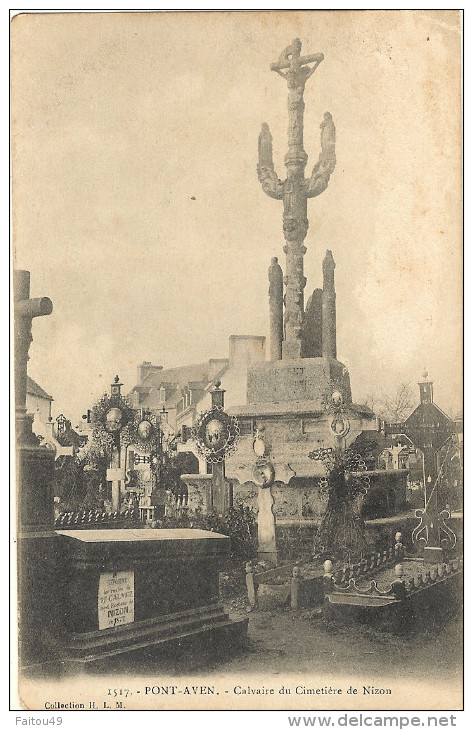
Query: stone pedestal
(305, 379)
(35, 470)
(140, 590)
(39, 608)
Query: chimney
(145, 369)
(246, 349)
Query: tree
(80, 485)
(393, 406)
(341, 531)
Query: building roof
(428, 414)
(181, 376)
(34, 389)
(196, 377)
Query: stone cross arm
(25, 310)
(297, 70)
(30, 308)
(302, 60)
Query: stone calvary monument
(297, 334)
(301, 400)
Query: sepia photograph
(237, 331)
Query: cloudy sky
(138, 211)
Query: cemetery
(279, 513)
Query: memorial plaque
(116, 599)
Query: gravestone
(142, 590)
(267, 551)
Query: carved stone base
(305, 379)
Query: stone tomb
(139, 590)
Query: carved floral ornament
(350, 468)
(216, 434)
(113, 424)
(433, 524)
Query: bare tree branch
(394, 406)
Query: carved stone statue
(275, 309)
(295, 190)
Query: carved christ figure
(297, 72)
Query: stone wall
(387, 493)
(295, 540)
(289, 440)
(245, 494)
(296, 503)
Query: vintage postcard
(237, 281)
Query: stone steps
(96, 646)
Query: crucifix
(216, 435)
(35, 463)
(296, 189)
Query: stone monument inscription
(116, 599)
(313, 381)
